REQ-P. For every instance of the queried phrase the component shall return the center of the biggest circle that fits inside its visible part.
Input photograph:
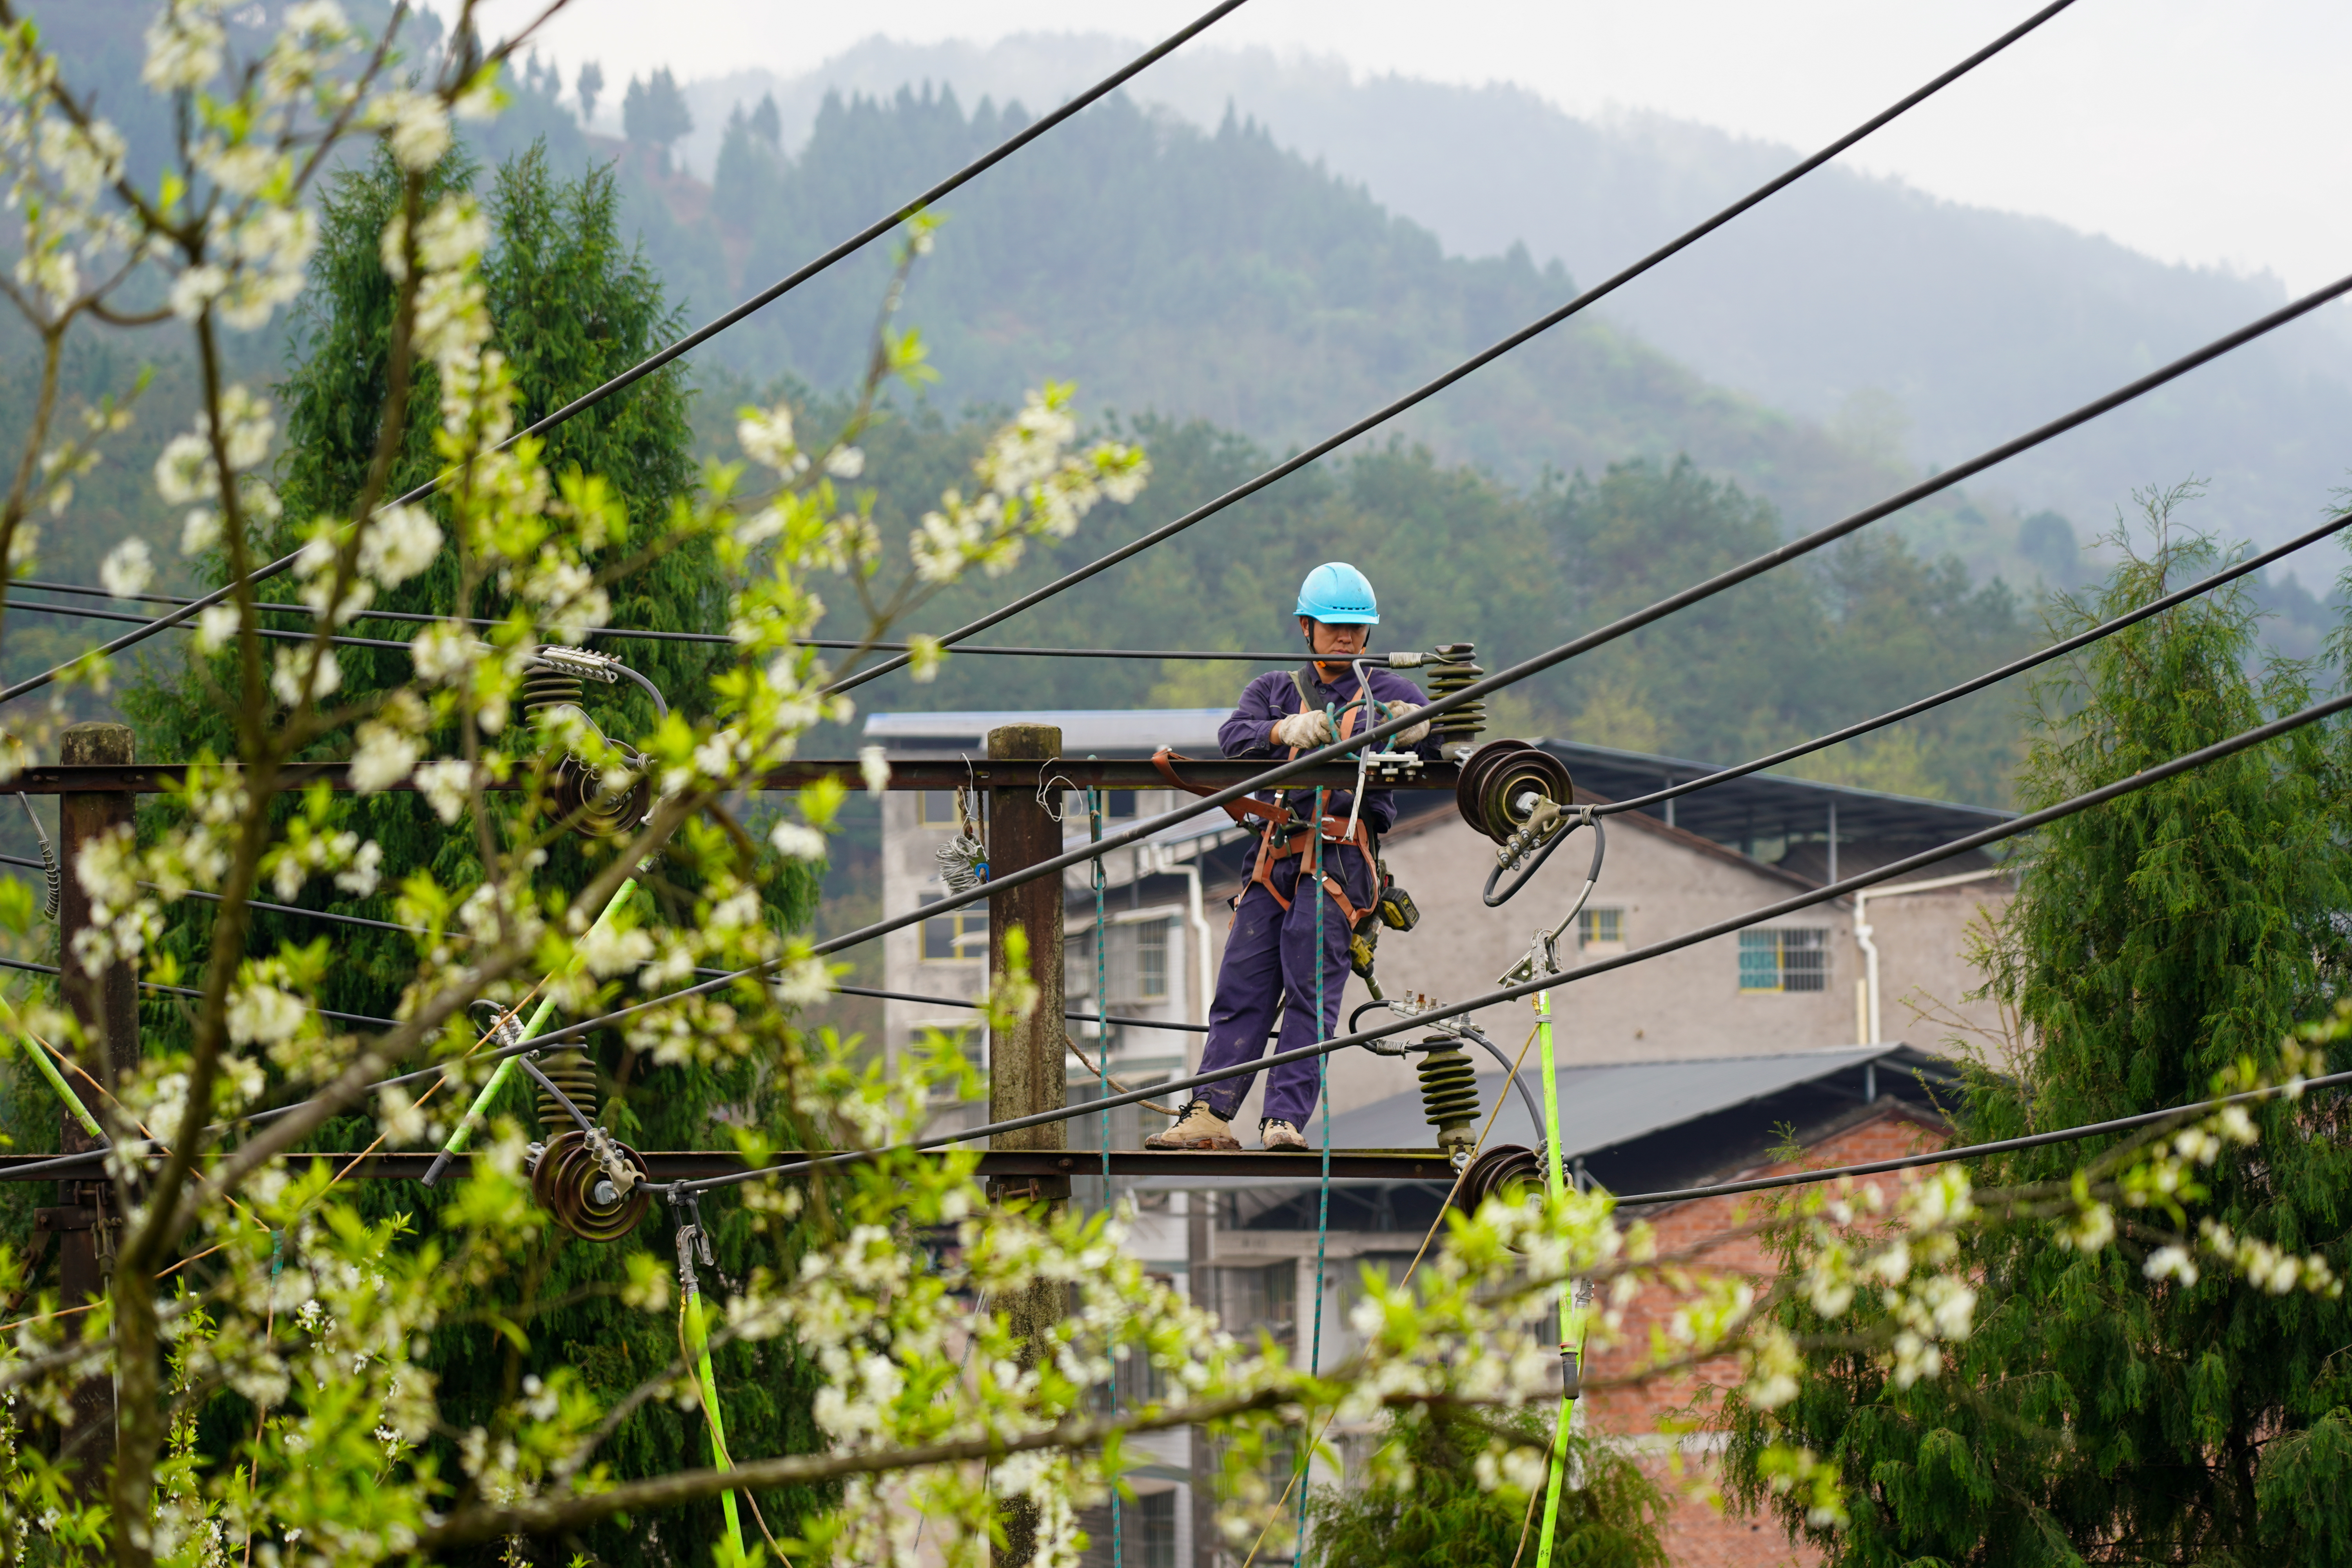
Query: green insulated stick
(1571, 1318)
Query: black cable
(1973, 1151)
(1339, 751)
(1427, 390)
(77, 613)
(709, 329)
(630, 634)
(1991, 676)
(2254, 737)
(51, 969)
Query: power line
(709, 329)
(333, 918)
(1336, 751)
(2246, 740)
(1805, 544)
(51, 969)
(1430, 389)
(77, 612)
(1991, 676)
(622, 634)
(1975, 1151)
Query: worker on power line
(1271, 953)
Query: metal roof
(1743, 811)
(1099, 731)
(1604, 1105)
(1613, 1106)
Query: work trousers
(1270, 955)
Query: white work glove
(1306, 730)
(1413, 736)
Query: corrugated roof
(1601, 1105)
(1604, 1106)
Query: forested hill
(1211, 275)
(1936, 326)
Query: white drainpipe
(1862, 934)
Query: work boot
(1276, 1133)
(1199, 1128)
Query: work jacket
(1274, 696)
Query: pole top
(1015, 741)
(95, 744)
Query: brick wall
(1710, 1234)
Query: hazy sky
(2192, 129)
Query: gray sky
(2193, 131)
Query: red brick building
(1716, 1233)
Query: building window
(1784, 960)
(935, 808)
(1599, 928)
(1147, 1531)
(958, 936)
(1135, 958)
(1249, 1299)
(1150, 957)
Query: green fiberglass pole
(475, 1112)
(719, 1459)
(40, 1056)
(1571, 1319)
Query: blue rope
(1323, 1192)
(1102, 1070)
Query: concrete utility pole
(1026, 1074)
(107, 1006)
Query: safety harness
(1282, 832)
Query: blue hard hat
(1337, 595)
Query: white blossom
(128, 570)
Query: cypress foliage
(571, 305)
(1443, 1519)
(2097, 1414)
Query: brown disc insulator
(1508, 1171)
(1503, 781)
(567, 1180)
(577, 797)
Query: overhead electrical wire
(1429, 389)
(1145, 828)
(711, 329)
(1990, 678)
(51, 969)
(333, 918)
(1977, 1151)
(2259, 735)
(1805, 544)
(618, 634)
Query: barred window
(1599, 926)
(1784, 959)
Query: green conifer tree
(571, 305)
(2096, 1415)
(1443, 1518)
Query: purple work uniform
(1269, 950)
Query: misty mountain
(1923, 328)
